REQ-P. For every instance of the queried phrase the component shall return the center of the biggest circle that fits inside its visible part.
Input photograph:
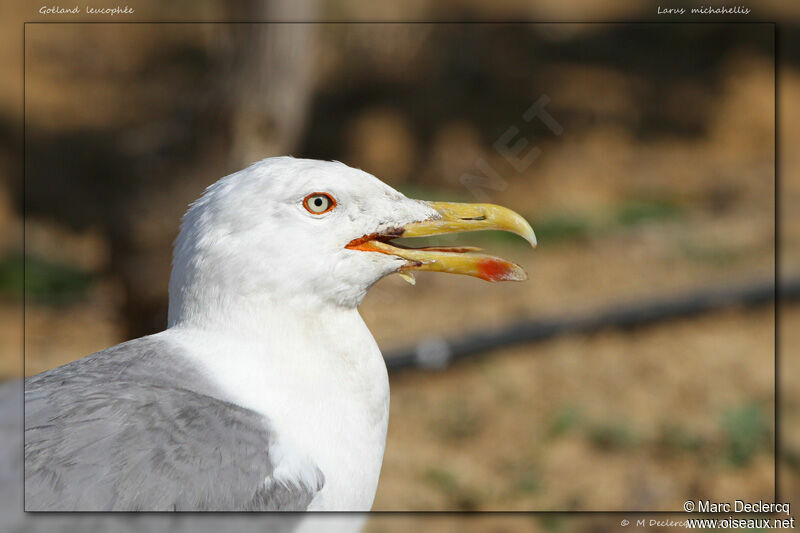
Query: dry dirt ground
(615, 420)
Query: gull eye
(318, 203)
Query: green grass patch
(791, 458)
(552, 523)
(672, 437)
(747, 431)
(563, 228)
(441, 478)
(45, 281)
(610, 436)
(640, 211)
(11, 276)
(528, 482)
(711, 254)
(564, 420)
(523, 474)
(461, 497)
(458, 421)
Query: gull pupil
(318, 203)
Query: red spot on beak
(495, 270)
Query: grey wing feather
(136, 427)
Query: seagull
(266, 392)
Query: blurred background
(642, 154)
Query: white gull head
(280, 227)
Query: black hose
(437, 353)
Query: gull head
(318, 233)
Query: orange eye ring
(319, 203)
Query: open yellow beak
(454, 218)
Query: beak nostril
(482, 217)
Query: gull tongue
(409, 277)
